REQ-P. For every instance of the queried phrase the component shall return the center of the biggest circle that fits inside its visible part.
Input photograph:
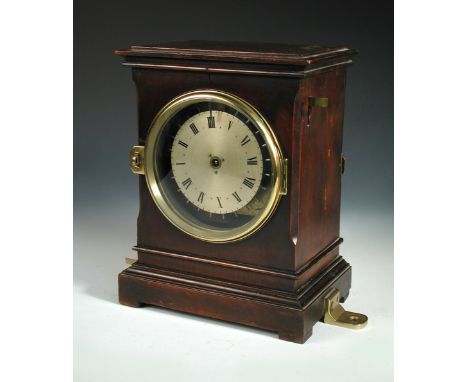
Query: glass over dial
(213, 166)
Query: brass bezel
(174, 216)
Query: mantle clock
(239, 162)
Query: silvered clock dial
(213, 166)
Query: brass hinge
(284, 178)
(137, 159)
(336, 315)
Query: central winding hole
(215, 162)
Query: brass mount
(336, 315)
(315, 102)
(319, 102)
(137, 159)
(343, 163)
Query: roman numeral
(252, 161)
(187, 182)
(200, 197)
(219, 202)
(245, 140)
(179, 163)
(211, 122)
(183, 144)
(249, 182)
(236, 196)
(229, 126)
(194, 128)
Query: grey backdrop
(117, 343)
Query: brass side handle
(343, 164)
(315, 102)
(137, 160)
(336, 315)
(318, 102)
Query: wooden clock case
(277, 278)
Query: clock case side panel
(270, 248)
(317, 192)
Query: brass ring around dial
(158, 193)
